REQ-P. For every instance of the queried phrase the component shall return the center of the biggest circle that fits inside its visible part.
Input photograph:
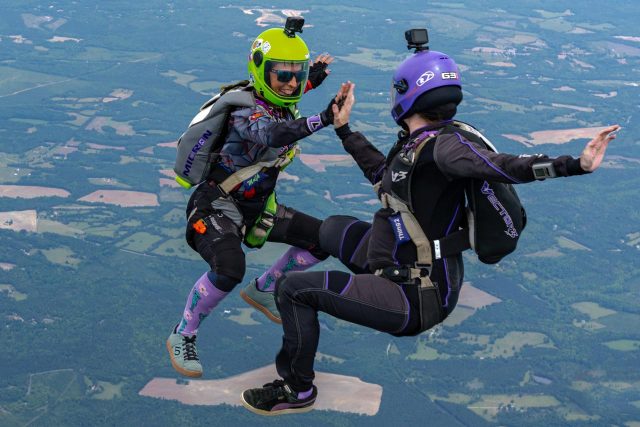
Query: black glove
(317, 73)
(327, 115)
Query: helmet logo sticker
(266, 47)
(425, 77)
(256, 44)
(449, 76)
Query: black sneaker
(277, 398)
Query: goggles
(285, 76)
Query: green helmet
(276, 56)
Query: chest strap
(426, 251)
(239, 176)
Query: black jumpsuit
(437, 190)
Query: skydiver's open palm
(593, 153)
(345, 96)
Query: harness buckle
(425, 269)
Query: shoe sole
(275, 413)
(186, 373)
(260, 308)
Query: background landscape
(94, 269)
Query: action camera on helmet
(293, 25)
(417, 38)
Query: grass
(489, 406)
(180, 78)
(619, 386)
(582, 386)
(176, 248)
(512, 343)
(139, 242)
(108, 390)
(12, 293)
(459, 315)
(11, 174)
(55, 227)
(565, 243)
(592, 309)
(424, 352)
(633, 239)
(15, 80)
(457, 398)
(482, 340)
(61, 256)
(572, 412)
(589, 326)
(623, 345)
(378, 59)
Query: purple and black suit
(436, 193)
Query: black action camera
(293, 25)
(417, 39)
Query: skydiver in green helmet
(219, 221)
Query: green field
(108, 391)
(139, 242)
(424, 352)
(592, 309)
(61, 256)
(512, 343)
(12, 292)
(623, 345)
(489, 406)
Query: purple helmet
(425, 80)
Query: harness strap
(243, 174)
(419, 239)
(426, 251)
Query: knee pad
(298, 229)
(340, 235)
(222, 282)
(224, 256)
(305, 228)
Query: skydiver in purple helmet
(406, 286)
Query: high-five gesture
(593, 153)
(345, 99)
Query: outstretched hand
(345, 99)
(318, 71)
(593, 152)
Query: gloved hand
(319, 71)
(327, 114)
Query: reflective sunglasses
(285, 76)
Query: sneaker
(183, 354)
(277, 398)
(264, 302)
